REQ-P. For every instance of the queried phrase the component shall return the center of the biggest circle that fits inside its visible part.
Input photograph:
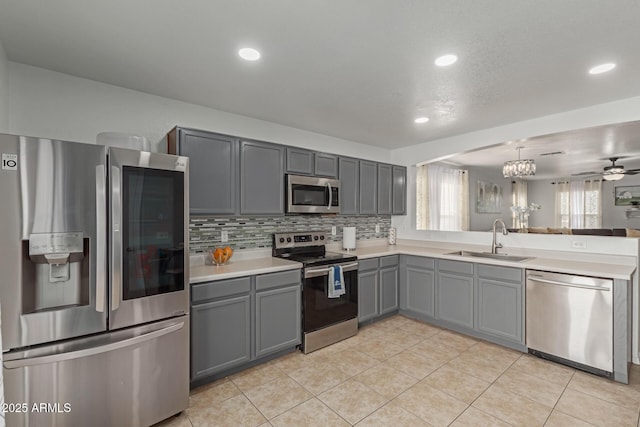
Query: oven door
(148, 237)
(306, 194)
(320, 311)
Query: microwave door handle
(116, 238)
(101, 243)
(330, 196)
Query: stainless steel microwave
(308, 194)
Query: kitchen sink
(503, 257)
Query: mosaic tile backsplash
(255, 232)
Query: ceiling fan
(611, 173)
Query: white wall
(614, 216)
(484, 221)
(4, 90)
(55, 105)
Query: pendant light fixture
(519, 168)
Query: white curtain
(579, 204)
(562, 205)
(576, 204)
(593, 203)
(518, 199)
(442, 198)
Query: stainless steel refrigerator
(94, 284)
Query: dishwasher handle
(570, 285)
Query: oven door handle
(315, 272)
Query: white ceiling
(583, 150)
(361, 70)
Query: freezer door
(148, 237)
(52, 240)
(132, 377)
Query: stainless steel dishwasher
(569, 319)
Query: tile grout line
(480, 395)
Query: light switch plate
(333, 230)
(377, 228)
(224, 236)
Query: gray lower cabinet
(500, 304)
(213, 169)
(368, 187)
(378, 282)
(389, 284)
(220, 335)
(483, 300)
(261, 178)
(399, 191)
(454, 291)
(368, 295)
(349, 187)
(385, 185)
(237, 321)
(417, 285)
(277, 319)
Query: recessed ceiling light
(422, 120)
(446, 60)
(249, 54)
(602, 68)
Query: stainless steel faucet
(494, 245)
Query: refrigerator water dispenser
(57, 264)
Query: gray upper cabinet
(399, 191)
(368, 182)
(261, 178)
(326, 165)
(213, 169)
(384, 189)
(349, 178)
(300, 161)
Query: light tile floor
(399, 372)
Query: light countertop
(265, 263)
(239, 268)
(596, 269)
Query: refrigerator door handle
(116, 238)
(101, 238)
(61, 357)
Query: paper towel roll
(349, 238)
(393, 233)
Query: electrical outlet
(578, 244)
(224, 236)
(377, 228)
(333, 230)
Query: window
(579, 204)
(442, 198)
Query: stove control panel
(299, 239)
